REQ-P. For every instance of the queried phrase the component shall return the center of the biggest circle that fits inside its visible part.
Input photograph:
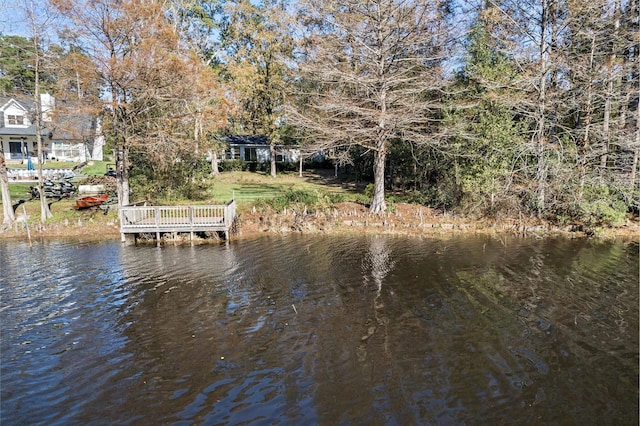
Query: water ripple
(302, 330)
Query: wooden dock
(160, 219)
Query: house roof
(23, 131)
(245, 140)
(25, 103)
(66, 126)
(73, 127)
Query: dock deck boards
(161, 219)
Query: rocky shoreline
(343, 218)
(409, 219)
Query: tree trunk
(98, 143)
(45, 212)
(8, 216)
(378, 204)
(78, 85)
(588, 108)
(541, 173)
(215, 162)
(634, 169)
(122, 174)
(121, 148)
(125, 177)
(272, 155)
(609, 95)
(588, 111)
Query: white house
(17, 132)
(75, 137)
(65, 136)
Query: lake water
(320, 330)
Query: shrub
(231, 165)
(144, 188)
(336, 197)
(369, 192)
(194, 191)
(300, 199)
(600, 206)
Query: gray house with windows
(255, 148)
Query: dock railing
(196, 218)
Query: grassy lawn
(249, 187)
(246, 187)
(47, 165)
(64, 210)
(19, 191)
(94, 168)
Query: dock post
(128, 238)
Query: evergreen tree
(258, 47)
(17, 73)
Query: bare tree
(629, 126)
(370, 74)
(8, 216)
(38, 20)
(159, 91)
(600, 60)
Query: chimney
(48, 103)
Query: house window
(250, 154)
(280, 158)
(233, 153)
(16, 119)
(16, 150)
(67, 151)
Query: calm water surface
(320, 330)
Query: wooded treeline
(488, 107)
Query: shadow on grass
(254, 191)
(327, 178)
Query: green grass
(19, 191)
(47, 165)
(249, 187)
(94, 168)
(65, 212)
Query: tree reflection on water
(384, 330)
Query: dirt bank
(409, 219)
(343, 218)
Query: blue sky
(11, 18)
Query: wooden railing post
(158, 219)
(191, 223)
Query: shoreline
(342, 219)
